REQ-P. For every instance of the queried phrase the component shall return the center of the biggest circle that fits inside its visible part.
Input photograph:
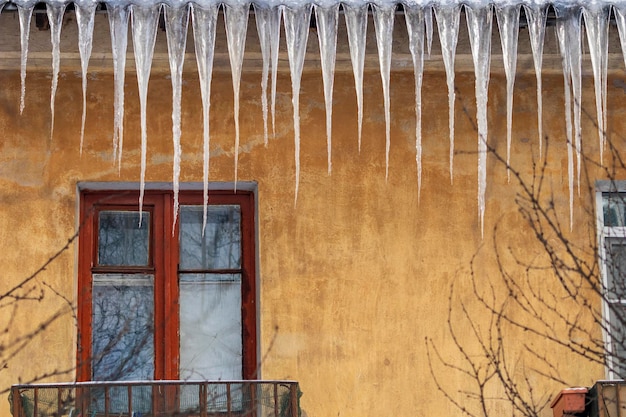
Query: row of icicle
(296, 16)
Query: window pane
(122, 327)
(121, 240)
(220, 247)
(210, 327)
(618, 338)
(614, 209)
(616, 268)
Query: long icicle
(596, 15)
(55, 13)
(296, 32)
(204, 21)
(536, 16)
(261, 17)
(383, 25)
(356, 23)
(567, 75)
(25, 15)
(85, 14)
(414, 16)
(176, 22)
(569, 23)
(428, 20)
(479, 24)
(236, 20)
(274, 23)
(508, 26)
(118, 26)
(448, 16)
(144, 22)
(327, 21)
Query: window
(612, 231)
(157, 304)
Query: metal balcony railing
(607, 399)
(157, 399)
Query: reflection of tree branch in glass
(123, 333)
(121, 241)
(123, 303)
(219, 247)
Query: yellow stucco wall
(355, 279)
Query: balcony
(157, 398)
(607, 399)
(603, 399)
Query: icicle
(55, 13)
(596, 16)
(261, 16)
(176, 21)
(479, 26)
(266, 19)
(297, 32)
(575, 48)
(383, 25)
(356, 23)
(560, 27)
(620, 18)
(327, 20)
(25, 15)
(448, 15)
(144, 23)
(536, 16)
(428, 19)
(118, 27)
(274, 24)
(85, 13)
(508, 26)
(568, 28)
(204, 21)
(414, 16)
(236, 20)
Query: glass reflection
(616, 268)
(122, 327)
(122, 241)
(614, 209)
(618, 338)
(220, 247)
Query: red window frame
(164, 265)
